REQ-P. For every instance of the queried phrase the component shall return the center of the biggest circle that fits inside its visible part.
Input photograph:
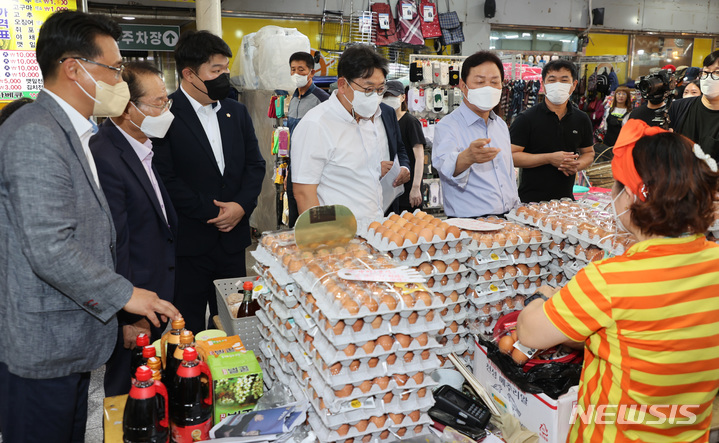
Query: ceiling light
(128, 17)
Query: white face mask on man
(709, 87)
(557, 93)
(363, 105)
(485, 98)
(300, 80)
(155, 126)
(393, 102)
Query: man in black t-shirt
(698, 117)
(648, 113)
(552, 140)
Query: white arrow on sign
(170, 38)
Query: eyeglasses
(368, 91)
(118, 71)
(165, 106)
(705, 75)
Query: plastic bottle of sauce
(190, 410)
(145, 419)
(248, 306)
(171, 339)
(187, 339)
(136, 360)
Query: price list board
(20, 22)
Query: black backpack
(603, 83)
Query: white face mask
(620, 225)
(362, 105)
(485, 98)
(709, 87)
(300, 80)
(155, 126)
(110, 100)
(558, 92)
(393, 102)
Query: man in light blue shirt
(472, 149)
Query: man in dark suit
(59, 292)
(145, 220)
(211, 165)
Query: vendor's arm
(534, 328)
(524, 159)
(586, 157)
(415, 194)
(306, 196)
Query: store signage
(149, 38)
(20, 22)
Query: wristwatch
(535, 296)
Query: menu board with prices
(20, 22)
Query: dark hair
(557, 65)
(477, 59)
(360, 61)
(680, 187)
(303, 57)
(711, 58)
(195, 49)
(71, 33)
(132, 73)
(13, 106)
(627, 104)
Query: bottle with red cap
(145, 419)
(248, 306)
(190, 410)
(136, 359)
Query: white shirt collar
(79, 123)
(197, 106)
(141, 149)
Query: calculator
(463, 410)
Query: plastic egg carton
(279, 272)
(280, 329)
(452, 315)
(451, 346)
(384, 245)
(617, 247)
(371, 433)
(482, 263)
(539, 256)
(414, 256)
(555, 235)
(585, 238)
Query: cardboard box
(218, 346)
(547, 417)
(236, 381)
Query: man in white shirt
(345, 145)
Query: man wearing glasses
(343, 146)
(698, 117)
(59, 292)
(145, 220)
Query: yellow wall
(702, 48)
(609, 44)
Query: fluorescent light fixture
(526, 34)
(128, 17)
(512, 36)
(640, 51)
(565, 41)
(540, 35)
(491, 37)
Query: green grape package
(237, 383)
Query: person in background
(414, 143)
(145, 220)
(650, 111)
(617, 115)
(692, 89)
(552, 140)
(472, 150)
(211, 165)
(306, 96)
(13, 106)
(646, 319)
(344, 146)
(698, 117)
(59, 292)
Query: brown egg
(350, 350)
(344, 429)
(362, 425)
(511, 270)
(384, 435)
(400, 221)
(414, 415)
(523, 269)
(370, 303)
(425, 354)
(368, 347)
(350, 306)
(408, 357)
(345, 391)
(536, 269)
(524, 235)
(389, 301)
(439, 232)
(377, 322)
(388, 233)
(378, 421)
(430, 282)
(387, 398)
(403, 255)
(444, 281)
(426, 234)
(404, 396)
(454, 296)
(403, 339)
(500, 239)
(382, 382)
(422, 339)
(401, 431)
(431, 251)
(354, 365)
(358, 325)
(394, 321)
(396, 418)
(419, 429)
(335, 368)
(412, 319)
(487, 275)
(424, 297)
(412, 237)
(385, 341)
(418, 377)
(536, 235)
(456, 339)
(365, 386)
(519, 357)
(486, 240)
(454, 265)
(397, 239)
(421, 392)
(457, 308)
(408, 300)
(338, 328)
(416, 229)
(453, 231)
(454, 327)
(388, 224)
(425, 268)
(391, 359)
(440, 266)
(417, 253)
(429, 316)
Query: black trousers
(43, 410)
(194, 287)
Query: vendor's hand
(402, 178)
(148, 304)
(130, 332)
(230, 214)
(556, 159)
(569, 167)
(548, 291)
(415, 196)
(479, 152)
(386, 166)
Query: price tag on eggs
(471, 224)
(365, 403)
(402, 274)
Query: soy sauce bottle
(171, 339)
(155, 365)
(187, 339)
(145, 419)
(136, 359)
(190, 410)
(248, 306)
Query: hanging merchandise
(415, 72)
(281, 173)
(426, 72)
(409, 23)
(454, 75)
(272, 111)
(443, 73)
(281, 141)
(385, 31)
(429, 99)
(430, 21)
(415, 99)
(451, 27)
(280, 106)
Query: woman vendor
(648, 319)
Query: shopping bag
(409, 23)
(429, 21)
(385, 32)
(451, 27)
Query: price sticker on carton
(402, 274)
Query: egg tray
(414, 260)
(280, 329)
(450, 273)
(584, 255)
(482, 263)
(496, 309)
(507, 279)
(447, 332)
(451, 285)
(456, 348)
(279, 272)
(541, 256)
(490, 297)
(572, 267)
(616, 248)
(383, 244)
(329, 436)
(311, 324)
(452, 315)
(557, 251)
(585, 238)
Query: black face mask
(656, 100)
(217, 88)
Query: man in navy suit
(143, 214)
(211, 165)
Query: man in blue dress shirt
(472, 149)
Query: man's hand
(230, 214)
(570, 166)
(479, 152)
(557, 159)
(386, 166)
(147, 304)
(402, 178)
(415, 196)
(130, 332)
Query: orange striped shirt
(650, 323)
